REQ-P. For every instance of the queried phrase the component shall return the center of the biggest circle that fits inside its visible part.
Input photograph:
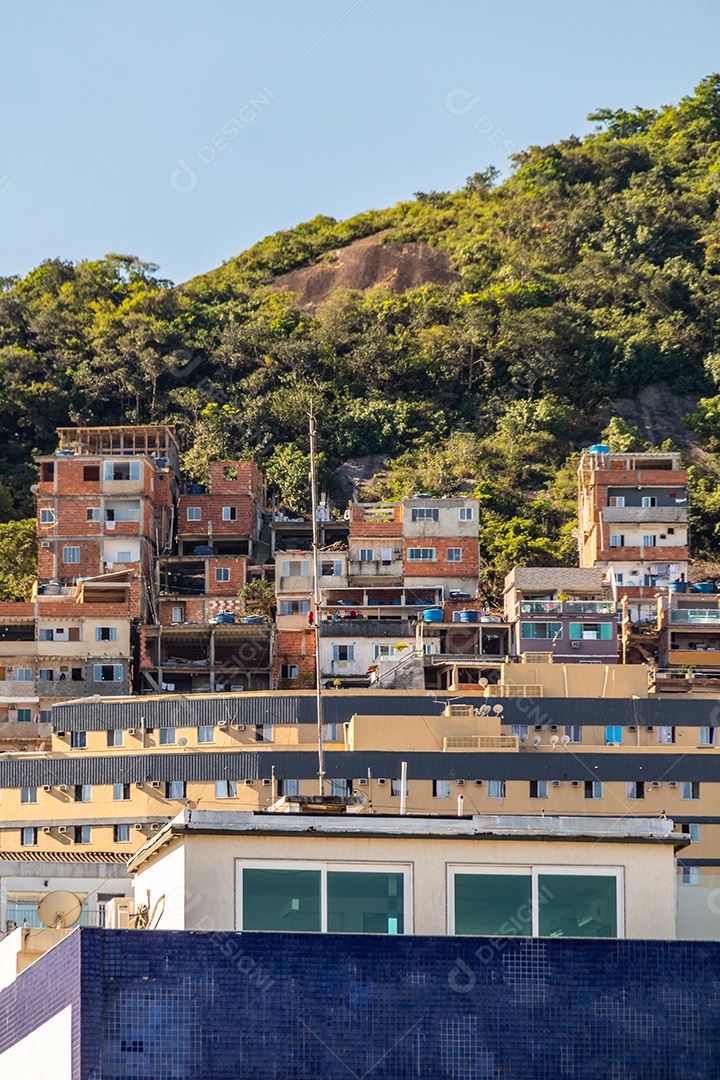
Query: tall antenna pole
(316, 606)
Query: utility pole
(316, 606)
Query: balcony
(453, 743)
(541, 607)
(589, 607)
(645, 514)
(699, 617)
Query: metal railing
(589, 607)
(481, 742)
(541, 607)
(697, 617)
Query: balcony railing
(541, 607)
(589, 607)
(695, 618)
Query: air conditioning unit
(650, 728)
(47, 787)
(537, 727)
(672, 783)
(132, 731)
(61, 734)
(138, 783)
(575, 644)
(155, 827)
(555, 783)
(382, 780)
(574, 783)
(553, 727)
(237, 689)
(479, 783)
(64, 787)
(46, 829)
(62, 829)
(45, 544)
(632, 727)
(118, 913)
(249, 782)
(656, 783)
(241, 727)
(459, 783)
(139, 828)
(222, 723)
(155, 783)
(266, 783)
(362, 782)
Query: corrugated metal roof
(302, 765)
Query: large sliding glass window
(320, 897)
(529, 901)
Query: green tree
(18, 559)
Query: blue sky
(184, 132)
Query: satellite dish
(60, 909)
(565, 740)
(523, 738)
(484, 710)
(554, 739)
(34, 488)
(182, 742)
(483, 682)
(497, 709)
(537, 739)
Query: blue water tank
(703, 587)
(202, 549)
(468, 616)
(677, 586)
(433, 614)
(599, 448)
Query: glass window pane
(577, 905)
(281, 900)
(493, 904)
(364, 902)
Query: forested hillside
(589, 275)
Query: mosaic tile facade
(187, 1006)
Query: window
(454, 554)
(194, 513)
(225, 789)
(367, 901)
(383, 651)
(263, 733)
(46, 674)
(421, 554)
(340, 787)
(289, 787)
(616, 500)
(367, 555)
(396, 788)
(293, 607)
(106, 633)
(649, 540)
(690, 789)
(613, 734)
(496, 789)
(71, 554)
(206, 733)
(593, 789)
(47, 517)
(229, 513)
(665, 734)
(45, 634)
(523, 902)
(591, 631)
(690, 875)
(649, 500)
(386, 556)
(46, 716)
(166, 736)
(441, 789)
(222, 573)
(121, 834)
(78, 740)
(617, 540)
(708, 736)
(573, 732)
(107, 673)
(635, 789)
(177, 613)
(28, 836)
(425, 513)
(24, 716)
(124, 557)
(295, 568)
(83, 793)
(230, 472)
(83, 834)
(28, 795)
(288, 671)
(343, 653)
(330, 732)
(121, 792)
(521, 730)
(618, 578)
(92, 513)
(91, 474)
(538, 789)
(547, 631)
(331, 568)
(694, 831)
(466, 513)
(121, 470)
(175, 789)
(24, 674)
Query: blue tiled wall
(167, 1006)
